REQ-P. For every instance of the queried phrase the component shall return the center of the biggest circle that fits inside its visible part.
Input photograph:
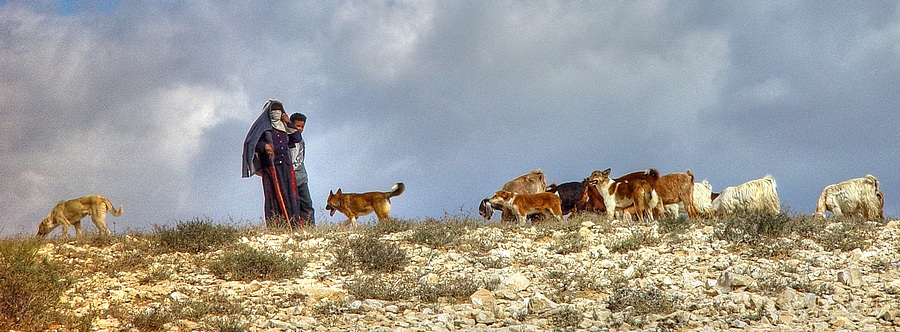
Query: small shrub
(227, 324)
(492, 262)
(382, 287)
(437, 234)
(773, 283)
(673, 225)
(481, 243)
(567, 283)
(30, 286)
(769, 247)
(566, 318)
(634, 241)
(327, 307)
(883, 264)
(568, 243)
(565, 225)
(390, 226)
(247, 264)
(99, 240)
(459, 288)
(750, 228)
(127, 262)
(195, 236)
(848, 234)
(643, 300)
(371, 255)
(209, 304)
(149, 319)
(156, 274)
(805, 226)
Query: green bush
(246, 264)
(194, 236)
(30, 286)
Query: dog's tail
(397, 189)
(111, 208)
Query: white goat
(755, 196)
(857, 197)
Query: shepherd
(267, 154)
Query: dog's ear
(339, 191)
(606, 171)
(330, 193)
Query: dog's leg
(556, 215)
(77, 226)
(64, 224)
(98, 216)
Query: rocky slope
(531, 282)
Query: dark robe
(279, 184)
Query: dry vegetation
(31, 284)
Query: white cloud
(180, 118)
(453, 98)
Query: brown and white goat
(624, 191)
(521, 205)
(529, 183)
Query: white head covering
(264, 122)
(275, 117)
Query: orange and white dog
(524, 204)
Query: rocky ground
(531, 282)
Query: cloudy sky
(148, 102)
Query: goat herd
(646, 195)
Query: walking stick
(278, 185)
(280, 197)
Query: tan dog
(71, 212)
(521, 205)
(357, 205)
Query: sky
(148, 102)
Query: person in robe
(267, 154)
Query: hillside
(762, 272)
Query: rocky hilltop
(584, 275)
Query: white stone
(539, 304)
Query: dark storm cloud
(147, 103)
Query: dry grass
(374, 259)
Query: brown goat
(677, 188)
